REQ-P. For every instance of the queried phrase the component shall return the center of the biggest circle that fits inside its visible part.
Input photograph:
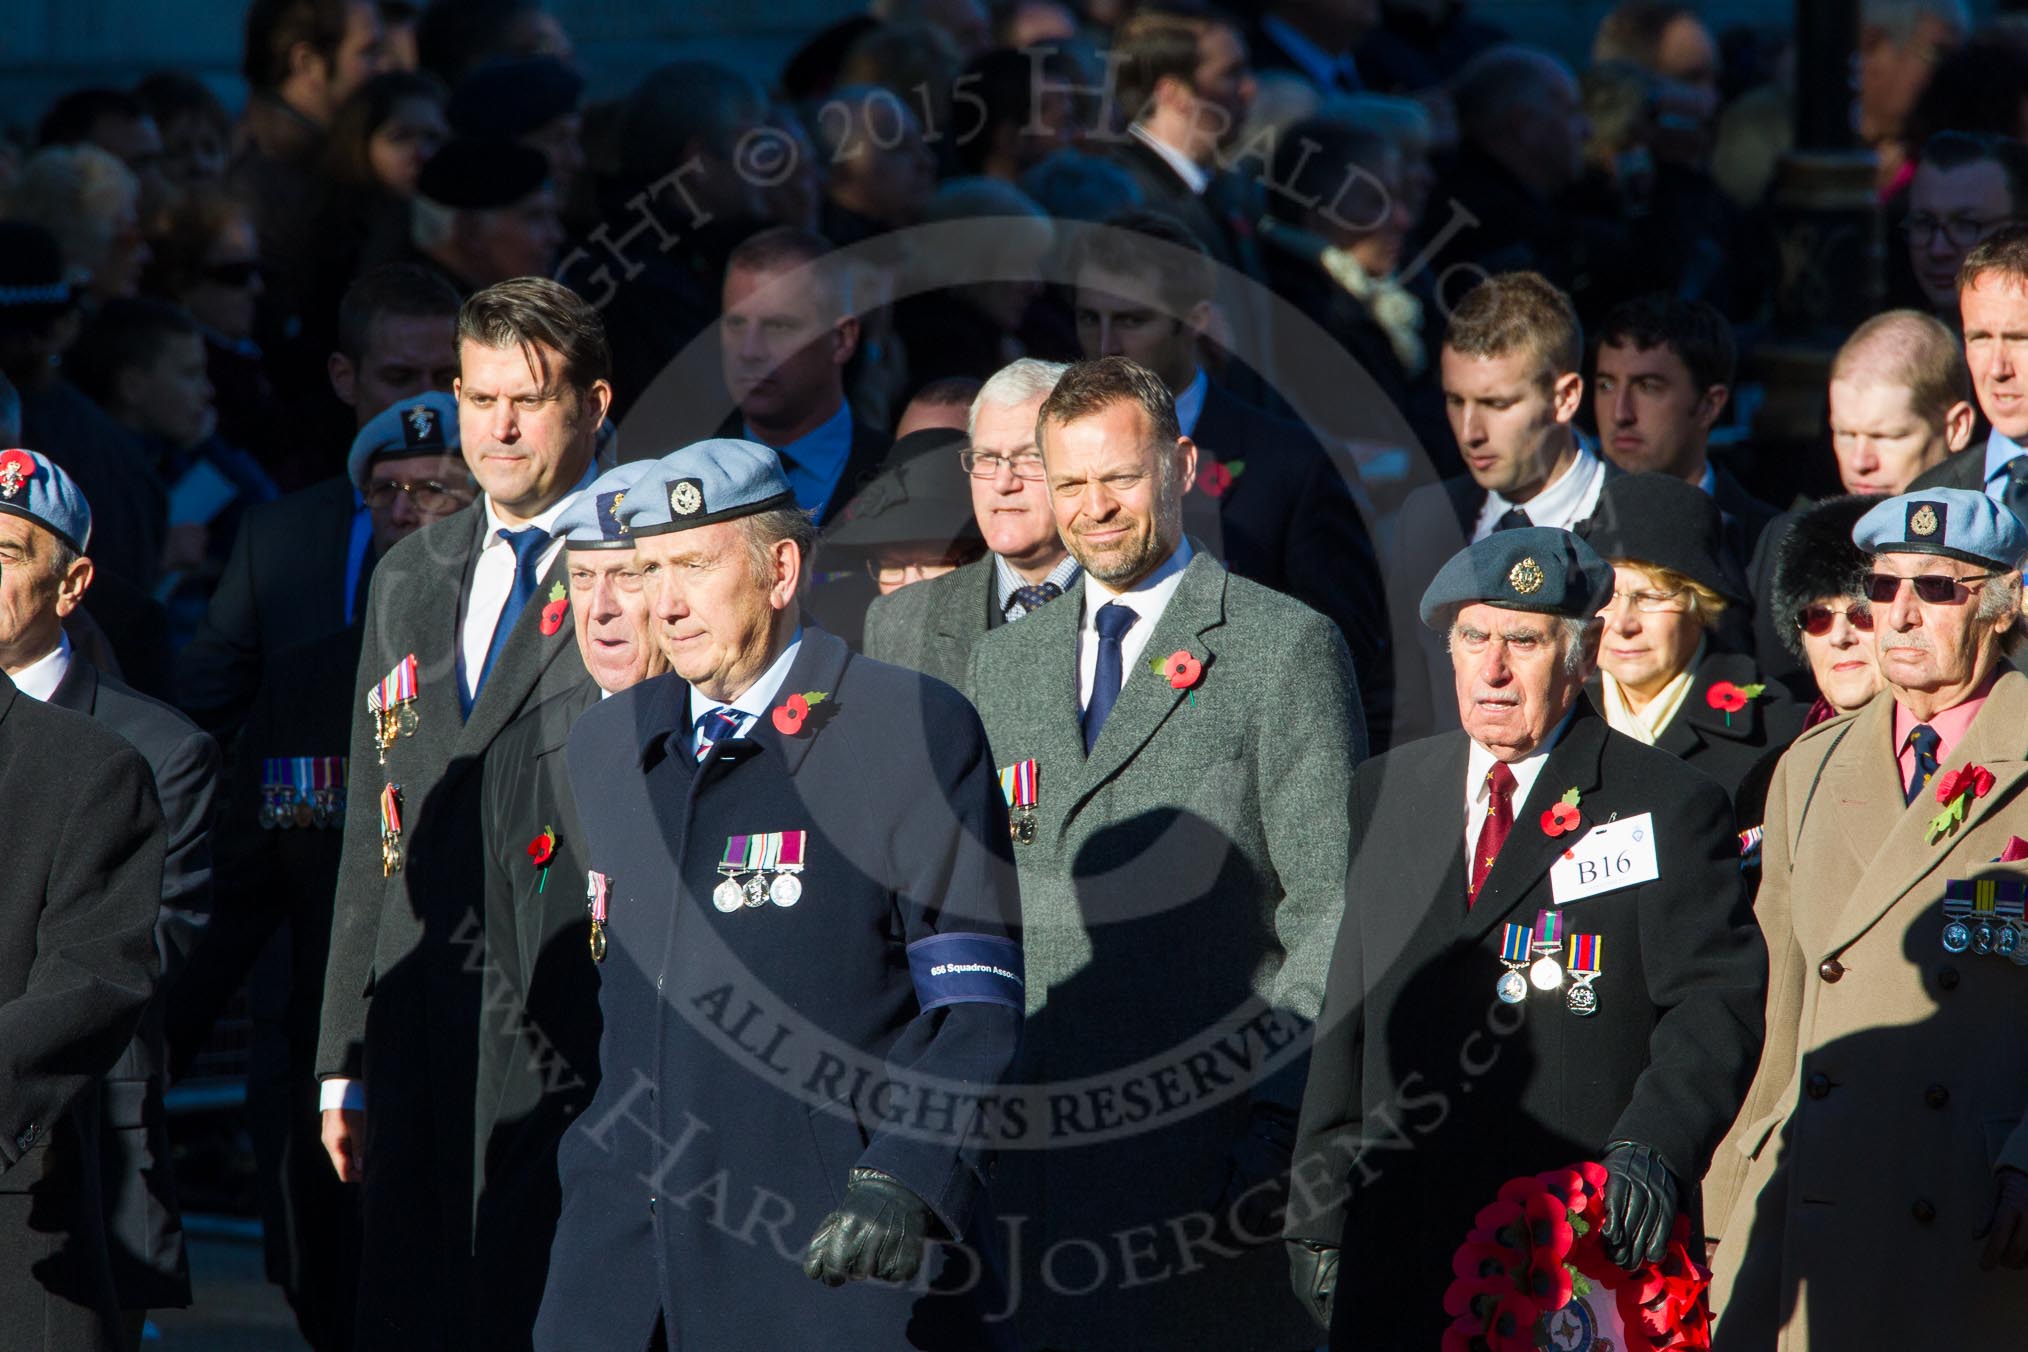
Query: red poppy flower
(542, 847)
(1560, 819)
(1726, 696)
(1214, 480)
(789, 715)
(1511, 1326)
(1474, 1296)
(1549, 1230)
(1975, 778)
(552, 616)
(1183, 670)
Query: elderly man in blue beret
(802, 909)
(1883, 1146)
(1560, 967)
(45, 572)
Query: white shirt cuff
(338, 1092)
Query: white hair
(1015, 384)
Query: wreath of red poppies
(1536, 1249)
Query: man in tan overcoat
(1884, 1196)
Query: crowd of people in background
(1409, 284)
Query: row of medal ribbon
(770, 860)
(1986, 916)
(1545, 940)
(1018, 784)
(302, 791)
(392, 702)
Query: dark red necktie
(1499, 821)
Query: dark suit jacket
(146, 1228)
(1288, 521)
(1964, 469)
(1425, 1094)
(906, 856)
(79, 901)
(1746, 517)
(539, 1039)
(1701, 736)
(283, 584)
(403, 979)
(931, 626)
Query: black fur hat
(1815, 559)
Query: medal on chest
(392, 704)
(598, 892)
(1546, 973)
(771, 863)
(1018, 784)
(1585, 965)
(1985, 916)
(1512, 987)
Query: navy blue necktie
(1113, 621)
(714, 726)
(1924, 739)
(1514, 518)
(2014, 492)
(527, 546)
(1035, 597)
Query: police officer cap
(923, 496)
(704, 483)
(33, 487)
(511, 97)
(1532, 568)
(424, 425)
(473, 175)
(1951, 522)
(593, 520)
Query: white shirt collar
(1479, 762)
(40, 678)
(546, 520)
(1194, 175)
(757, 699)
(1190, 403)
(1568, 499)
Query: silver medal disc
(1583, 1000)
(728, 896)
(1982, 937)
(1957, 936)
(1513, 989)
(2007, 940)
(757, 891)
(785, 890)
(1545, 974)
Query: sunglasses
(240, 273)
(1935, 588)
(1816, 621)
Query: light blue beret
(1952, 522)
(32, 486)
(424, 425)
(706, 482)
(593, 521)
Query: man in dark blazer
(463, 635)
(45, 524)
(1992, 304)
(78, 910)
(1436, 1077)
(1267, 499)
(1512, 367)
(931, 626)
(300, 566)
(270, 931)
(1183, 740)
(539, 1039)
(803, 918)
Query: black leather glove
(1256, 1192)
(1640, 1205)
(877, 1232)
(1313, 1272)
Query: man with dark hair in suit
(79, 904)
(1435, 1077)
(933, 625)
(1993, 302)
(1177, 743)
(785, 334)
(1513, 378)
(455, 649)
(539, 1030)
(45, 527)
(300, 565)
(1267, 499)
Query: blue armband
(953, 969)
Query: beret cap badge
(686, 497)
(1525, 577)
(16, 469)
(422, 424)
(1923, 520)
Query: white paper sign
(1618, 854)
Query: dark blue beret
(1533, 568)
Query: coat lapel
(522, 662)
(1995, 740)
(1041, 668)
(1432, 881)
(819, 665)
(78, 691)
(1529, 851)
(1147, 699)
(1862, 787)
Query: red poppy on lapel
(1955, 790)
(789, 715)
(1182, 670)
(1215, 479)
(1562, 816)
(1730, 698)
(553, 613)
(543, 847)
